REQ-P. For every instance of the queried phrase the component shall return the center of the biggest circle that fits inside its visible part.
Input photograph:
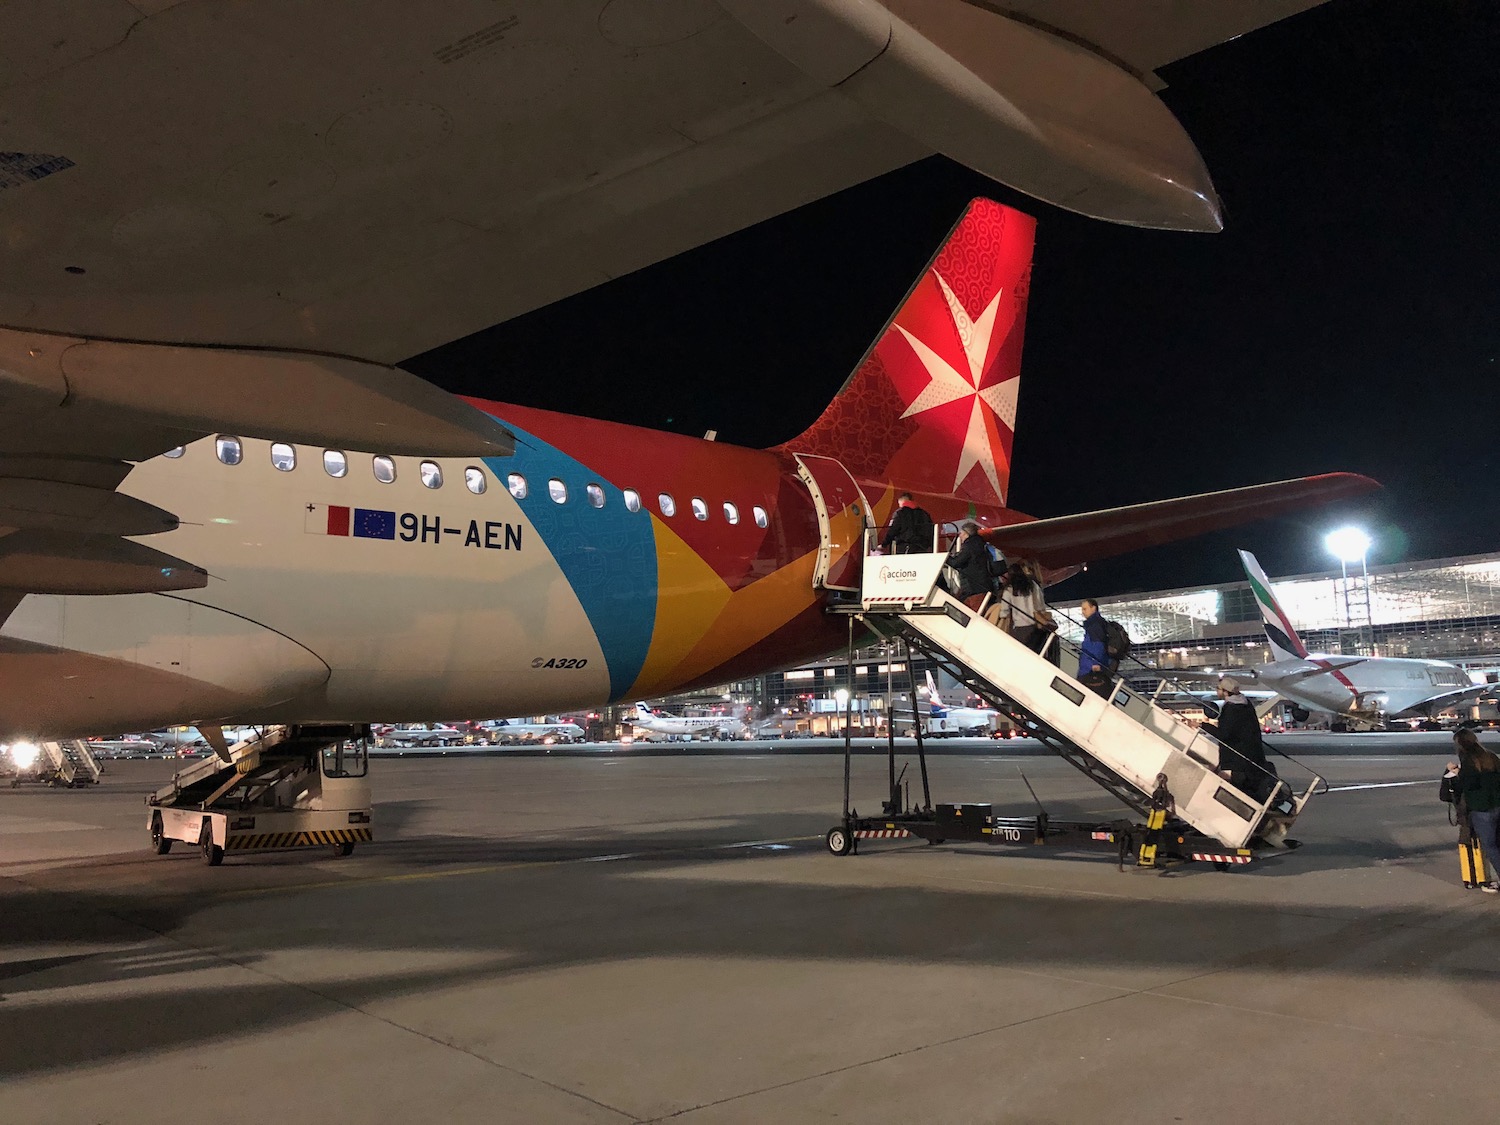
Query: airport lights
(1350, 544)
(841, 697)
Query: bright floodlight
(842, 696)
(24, 754)
(1347, 544)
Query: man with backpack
(910, 531)
(1105, 644)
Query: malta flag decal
(361, 523)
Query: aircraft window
(731, 513)
(475, 480)
(517, 485)
(384, 469)
(760, 516)
(667, 505)
(700, 509)
(595, 495)
(432, 474)
(335, 464)
(175, 452)
(558, 491)
(632, 500)
(229, 449)
(283, 457)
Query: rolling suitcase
(1471, 863)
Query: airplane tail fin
(1285, 644)
(932, 405)
(932, 691)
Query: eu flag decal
(370, 524)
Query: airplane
(403, 175)
(1360, 691)
(510, 731)
(948, 719)
(715, 726)
(280, 579)
(423, 736)
(955, 716)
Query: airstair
(284, 787)
(71, 763)
(1126, 742)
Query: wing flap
(1071, 540)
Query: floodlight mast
(1348, 544)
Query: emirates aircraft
(569, 562)
(1359, 691)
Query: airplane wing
(1070, 540)
(1459, 695)
(377, 179)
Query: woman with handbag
(1475, 789)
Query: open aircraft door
(843, 518)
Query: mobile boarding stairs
(284, 787)
(1141, 752)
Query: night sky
(1348, 317)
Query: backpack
(1116, 641)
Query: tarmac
(603, 937)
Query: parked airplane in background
(579, 561)
(513, 731)
(1360, 691)
(954, 716)
(713, 726)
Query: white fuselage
(643, 719)
(1388, 685)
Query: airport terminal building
(1445, 609)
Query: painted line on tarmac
(1377, 785)
(516, 865)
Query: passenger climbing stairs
(1142, 753)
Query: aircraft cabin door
(843, 518)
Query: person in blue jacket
(1092, 657)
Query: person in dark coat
(1092, 657)
(1242, 754)
(1477, 786)
(971, 558)
(910, 530)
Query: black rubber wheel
(1220, 865)
(839, 841)
(159, 842)
(213, 855)
(341, 850)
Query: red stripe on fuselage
(652, 462)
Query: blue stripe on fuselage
(608, 554)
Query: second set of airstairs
(68, 763)
(1143, 753)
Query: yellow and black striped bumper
(245, 842)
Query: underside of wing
(1071, 540)
(1147, 34)
(379, 179)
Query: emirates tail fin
(1285, 644)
